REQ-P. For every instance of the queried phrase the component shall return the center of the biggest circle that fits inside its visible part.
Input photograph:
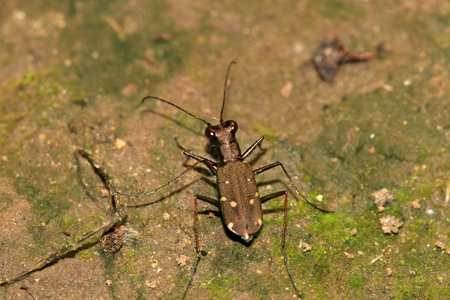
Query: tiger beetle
(239, 201)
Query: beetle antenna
(225, 91)
(174, 105)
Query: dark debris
(332, 53)
(112, 241)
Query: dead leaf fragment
(306, 247)
(376, 259)
(113, 240)
(440, 244)
(353, 232)
(212, 215)
(129, 90)
(182, 259)
(349, 255)
(119, 143)
(412, 272)
(380, 208)
(105, 193)
(416, 204)
(389, 272)
(286, 90)
(152, 285)
(382, 197)
(164, 37)
(42, 136)
(390, 224)
(166, 216)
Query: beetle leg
(214, 202)
(212, 165)
(197, 242)
(209, 162)
(209, 200)
(272, 196)
(359, 56)
(275, 195)
(283, 238)
(252, 148)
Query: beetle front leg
(252, 148)
(212, 165)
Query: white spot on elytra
(256, 194)
(249, 179)
(251, 201)
(227, 182)
(223, 198)
(230, 226)
(233, 203)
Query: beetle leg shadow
(137, 205)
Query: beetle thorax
(228, 150)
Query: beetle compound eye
(232, 124)
(210, 134)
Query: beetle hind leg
(283, 238)
(197, 243)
